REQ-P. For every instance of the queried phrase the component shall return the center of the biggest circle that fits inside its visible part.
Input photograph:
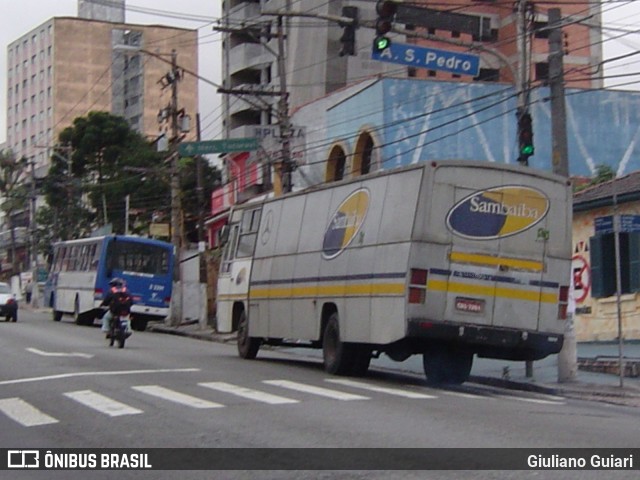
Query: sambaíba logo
(345, 223)
(497, 212)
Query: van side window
(248, 232)
(229, 249)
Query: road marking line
(24, 413)
(101, 403)
(256, 395)
(323, 392)
(59, 354)
(176, 397)
(531, 400)
(375, 388)
(96, 374)
(463, 395)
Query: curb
(200, 335)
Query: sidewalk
(596, 379)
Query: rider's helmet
(117, 283)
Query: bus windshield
(138, 258)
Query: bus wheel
(138, 324)
(337, 355)
(247, 346)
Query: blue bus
(81, 271)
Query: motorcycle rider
(117, 290)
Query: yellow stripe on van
(492, 291)
(353, 290)
(479, 259)
(232, 296)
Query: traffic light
(348, 38)
(525, 137)
(386, 11)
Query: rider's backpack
(121, 302)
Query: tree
(603, 173)
(15, 195)
(93, 174)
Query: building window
(488, 75)
(542, 71)
(603, 262)
(540, 29)
(336, 165)
(363, 161)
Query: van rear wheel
(444, 365)
(338, 356)
(247, 346)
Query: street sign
(430, 58)
(271, 145)
(628, 224)
(187, 149)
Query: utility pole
(567, 358)
(286, 166)
(173, 78)
(32, 235)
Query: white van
(446, 259)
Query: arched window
(363, 161)
(336, 165)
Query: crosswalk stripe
(102, 404)
(24, 413)
(323, 392)
(256, 395)
(176, 397)
(376, 388)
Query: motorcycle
(119, 330)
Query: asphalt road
(61, 386)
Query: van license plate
(470, 305)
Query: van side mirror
(223, 235)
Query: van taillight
(563, 298)
(416, 295)
(563, 295)
(167, 300)
(418, 277)
(417, 285)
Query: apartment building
(70, 66)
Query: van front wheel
(247, 346)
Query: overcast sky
(21, 16)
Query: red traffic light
(386, 9)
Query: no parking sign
(581, 277)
